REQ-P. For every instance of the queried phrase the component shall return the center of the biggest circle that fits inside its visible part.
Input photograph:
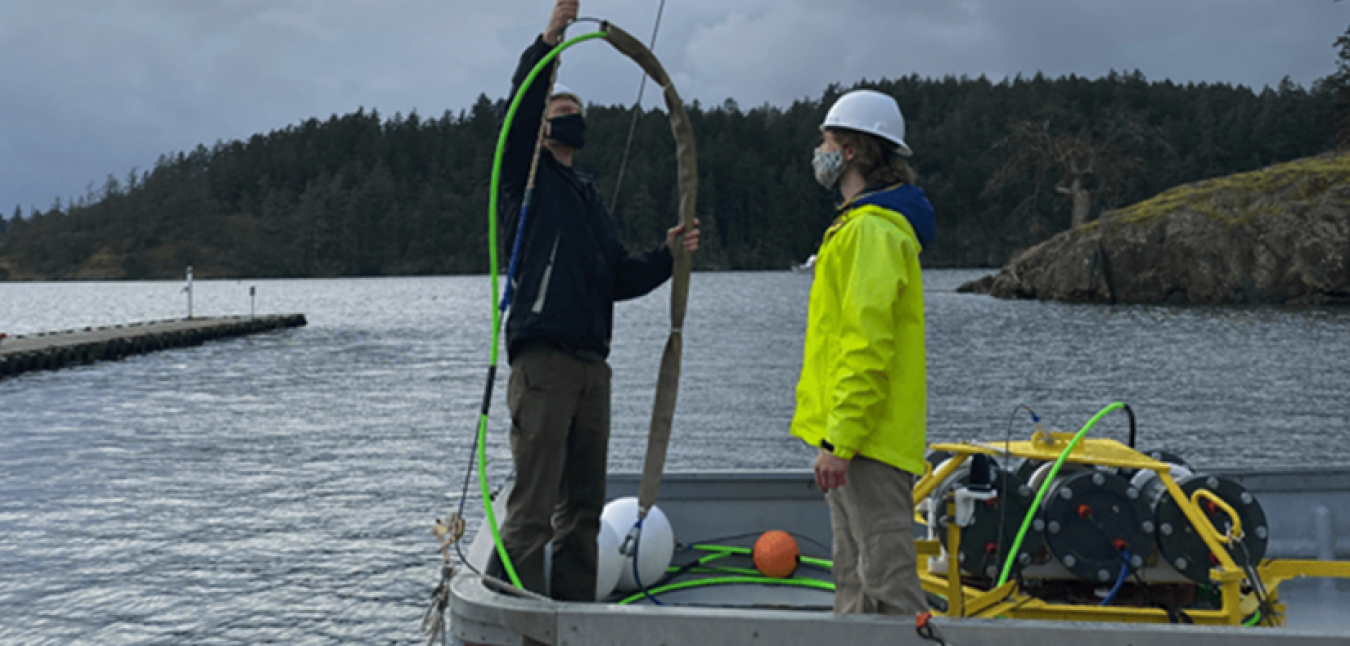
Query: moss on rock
(1277, 235)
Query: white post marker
(252, 292)
(188, 289)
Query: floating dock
(56, 350)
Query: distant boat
(805, 267)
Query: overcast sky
(91, 88)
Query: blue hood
(907, 200)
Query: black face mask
(568, 130)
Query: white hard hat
(871, 112)
(562, 91)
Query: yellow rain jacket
(863, 387)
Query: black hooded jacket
(572, 267)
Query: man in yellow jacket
(862, 397)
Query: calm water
(280, 488)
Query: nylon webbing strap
(668, 379)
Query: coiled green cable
(730, 580)
(745, 575)
(732, 549)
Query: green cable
(731, 549)
(720, 552)
(731, 580)
(699, 566)
(744, 575)
(723, 569)
(1255, 619)
(496, 314)
(700, 562)
(1045, 486)
(709, 558)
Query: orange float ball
(775, 554)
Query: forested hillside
(364, 195)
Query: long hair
(875, 158)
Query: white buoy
(655, 548)
(611, 561)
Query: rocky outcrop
(1280, 235)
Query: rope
(434, 625)
(539, 140)
(637, 105)
(529, 196)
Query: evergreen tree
(1341, 85)
(356, 194)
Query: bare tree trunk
(1082, 205)
(1082, 201)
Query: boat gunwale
(546, 622)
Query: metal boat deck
(1308, 513)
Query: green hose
(720, 569)
(702, 560)
(745, 575)
(731, 580)
(493, 189)
(1045, 486)
(731, 549)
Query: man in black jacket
(571, 269)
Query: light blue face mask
(829, 167)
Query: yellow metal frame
(1009, 601)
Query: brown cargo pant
(560, 442)
(875, 568)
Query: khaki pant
(560, 442)
(875, 569)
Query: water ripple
(279, 488)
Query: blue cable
(515, 252)
(1035, 419)
(1120, 580)
(636, 576)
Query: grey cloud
(91, 88)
